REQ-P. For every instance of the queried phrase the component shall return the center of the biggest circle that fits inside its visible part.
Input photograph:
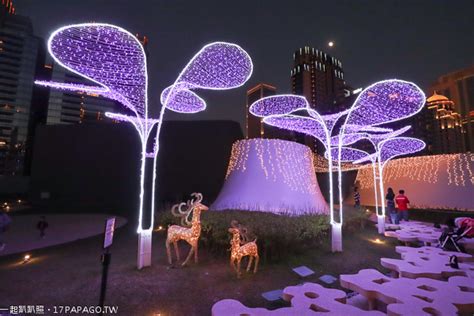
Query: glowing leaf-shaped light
(350, 128)
(300, 124)
(183, 101)
(399, 146)
(347, 154)
(348, 139)
(278, 105)
(376, 139)
(218, 66)
(106, 54)
(386, 101)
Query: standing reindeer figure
(189, 234)
(242, 247)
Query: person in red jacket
(402, 205)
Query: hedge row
(278, 236)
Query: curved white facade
(437, 182)
(271, 175)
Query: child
(42, 225)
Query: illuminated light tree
(114, 60)
(382, 102)
(375, 140)
(283, 111)
(349, 154)
(388, 149)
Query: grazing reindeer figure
(242, 247)
(189, 234)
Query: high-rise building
(20, 54)
(443, 127)
(458, 86)
(66, 107)
(320, 78)
(254, 127)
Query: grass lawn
(70, 274)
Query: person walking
(356, 198)
(402, 204)
(390, 198)
(5, 221)
(42, 225)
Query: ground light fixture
(26, 258)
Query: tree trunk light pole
(144, 249)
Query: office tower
(458, 86)
(320, 78)
(65, 107)
(20, 54)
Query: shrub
(355, 218)
(278, 236)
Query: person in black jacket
(356, 198)
(390, 198)
(42, 225)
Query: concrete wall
(14, 185)
(97, 165)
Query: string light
(381, 103)
(190, 231)
(184, 101)
(348, 154)
(425, 169)
(114, 59)
(278, 105)
(280, 111)
(285, 167)
(398, 146)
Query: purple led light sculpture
(389, 149)
(382, 102)
(114, 61)
(280, 111)
(375, 140)
(398, 146)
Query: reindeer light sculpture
(189, 234)
(242, 247)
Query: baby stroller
(463, 228)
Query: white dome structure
(271, 175)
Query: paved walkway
(23, 235)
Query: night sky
(412, 40)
